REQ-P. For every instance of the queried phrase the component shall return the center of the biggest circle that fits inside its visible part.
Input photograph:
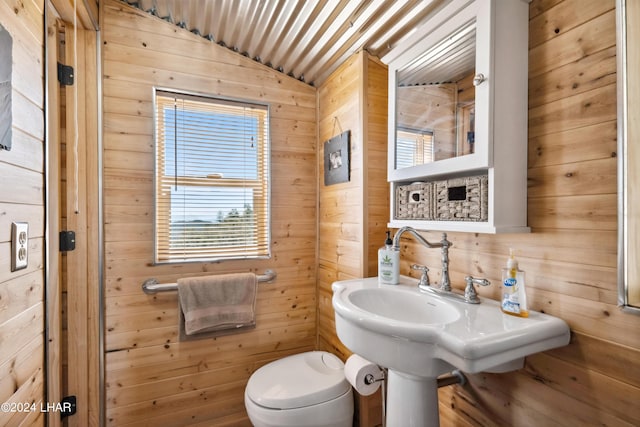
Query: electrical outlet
(19, 245)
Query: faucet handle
(470, 294)
(424, 278)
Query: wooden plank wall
(343, 238)
(79, 202)
(340, 228)
(151, 377)
(22, 199)
(353, 215)
(53, 297)
(87, 12)
(570, 255)
(376, 187)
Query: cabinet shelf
(458, 226)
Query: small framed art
(336, 159)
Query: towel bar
(151, 286)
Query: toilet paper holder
(454, 377)
(370, 379)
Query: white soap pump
(388, 263)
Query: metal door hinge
(67, 241)
(65, 74)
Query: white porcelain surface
(298, 381)
(402, 305)
(334, 413)
(384, 324)
(303, 390)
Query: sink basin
(420, 335)
(425, 334)
(402, 305)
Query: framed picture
(336, 159)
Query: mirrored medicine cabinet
(628, 31)
(458, 109)
(435, 102)
(6, 61)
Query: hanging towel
(224, 302)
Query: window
(212, 178)
(413, 147)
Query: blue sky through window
(224, 145)
(208, 135)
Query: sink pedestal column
(411, 401)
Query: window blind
(212, 178)
(413, 148)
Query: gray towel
(222, 302)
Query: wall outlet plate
(19, 245)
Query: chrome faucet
(445, 284)
(470, 295)
(424, 277)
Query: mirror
(628, 18)
(6, 61)
(435, 102)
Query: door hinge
(67, 241)
(65, 74)
(68, 406)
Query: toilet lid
(296, 381)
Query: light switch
(19, 245)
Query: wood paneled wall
(353, 215)
(79, 276)
(375, 185)
(22, 199)
(87, 12)
(151, 377)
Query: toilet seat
(298, 381)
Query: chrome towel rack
(151, 286)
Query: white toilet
(303, 390)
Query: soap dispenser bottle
(514, 298)
(388, 263)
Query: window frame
(417, 133)
(261, 210)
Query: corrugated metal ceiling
(447, 61)
(304, 39)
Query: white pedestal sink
(418, 336)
